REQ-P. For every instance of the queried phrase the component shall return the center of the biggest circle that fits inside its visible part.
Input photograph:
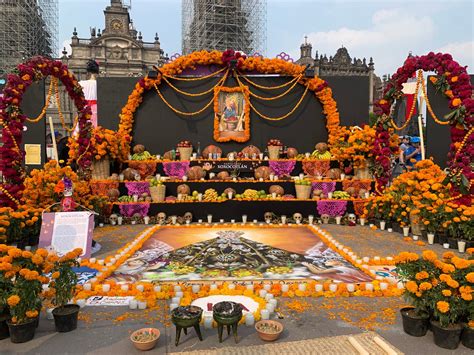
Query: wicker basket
(158, 193)
(101, 169)
(274, 152)
(303, 192)
(185, 153)
(362, 173)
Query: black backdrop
(35, 133)
(438, 137)
(159, 128)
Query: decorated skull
(161, 218)
(352, 218)
(325, 218)
(268, 216)
(298, 218)
(113, 218)
(188, 217)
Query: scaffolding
(224, 24)
(27, 28)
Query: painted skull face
(298, 217)
(268, 217)
(352, 217)
(188, 217)
(161, 218)
(325, 218)
(113, 218)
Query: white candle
(302, 287)
(141, 305)
(383, 286)
(350, 287)
(338, 219)
(285, 288)
(146, 219)
(176, 300)
(283, 219)
(333, 287)
(362, 221)
(140, 288)
(318, 288)
(231, 287)
(121, 177)
(249, 319)
(177, 288)
(268, 297)
(221, 220)
(199, 221)
(329, 195)
(446, 245)
(81, 302)
(232, 221)
(200, 199)
(366, 259)
(209, 218)
(208, 322)
(87, 287)
(343, 176)
(390, 230)
(49, 313)
(310, 219)
(196, 288)
(135, 198)
(264, 314)
(157, 288)
(230, 195)
(369, 286)
(178, 294)
(174, 219)
(105, 287)
(415, 237)
(244, 218)
(213, 287)
(173, 306)
(124, 287)
(272, 176)
(262, 293)
(255, 221)
(249, 287)
(133, 304)
(267, 287)
(273, 301)
(270, 307)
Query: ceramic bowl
(145, 338)
(263, 329)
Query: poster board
(32, 154)
(65, 231)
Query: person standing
(413, 151)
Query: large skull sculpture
(298, 218)
(188, 217)
(161, 218)
(268, 216)
(325, 218)
(113, 218)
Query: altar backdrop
(160, 129)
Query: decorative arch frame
(12, 122)
(244, 64)
(454, 82)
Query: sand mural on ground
(237, 253)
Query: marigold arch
(244, 64)
(12, 121)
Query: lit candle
(264, 314)
(255, 221)
(221, 220)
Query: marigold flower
(411, 286)
(470, 277)
(13, 300)
(446, 293)
(429, 255)
(55, 275)
(448, 255)
(14, 252)
(460, 263)
(453, 283)
(466, 296)
(442, 306)
(32, 314)
(425, 286)
(421, 275)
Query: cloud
(462, 52)
(390, 36)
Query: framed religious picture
(231, 114)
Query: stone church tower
(118, 48)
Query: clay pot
(223, 175)
(280, 191)
(139, 148)
(211, 149)
(130, 174)
(334, 173)
(149, 342)
(183, 189)
(291, 153)
(266, 335)
(263, 172)
(195, 173)
(251, 150)
(321, 147)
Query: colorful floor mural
(250, 253)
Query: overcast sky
(385, 30)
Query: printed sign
(65, 231)
(32, 154)
(108, 301)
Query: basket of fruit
(303, 189)
(157, 190)
(185, 149)
(274, 147)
